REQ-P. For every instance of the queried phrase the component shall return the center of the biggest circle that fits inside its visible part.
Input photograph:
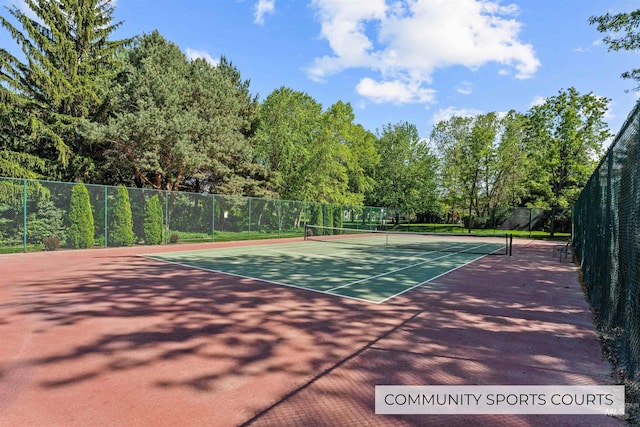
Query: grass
(230, 236)
(459, 228)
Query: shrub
(153, 221)
(337, 216)
(81, 218)
(51, 243)
(174, 238)
(120, 218)
(46, 221)
(316, 216)
(328, 217)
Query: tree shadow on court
(273, 355)
(493, 324)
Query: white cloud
(396, 92)
(263, 7)
(193, 54)
(538, 100)
(408, 40)
(465, 88)
(582, 49)
(449, 112)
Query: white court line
(311, 255)
(256, 278)
(404, 268)
(325, 292)
(433, 278)
(419, 255)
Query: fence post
(106, 217)
(24, 215)
(166, 216)
(213, 218)
(249, 223)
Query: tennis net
(484, 244)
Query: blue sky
(409, 60)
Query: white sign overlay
(500, 399)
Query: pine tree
(337, 216)
(121, 227)
(153, 221)
(81, 228)
(62, 81)
(317, 215)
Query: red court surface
(105, 337)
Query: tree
(353, 149)
(480, 174)
(484, 162)
(15, 161)
(153, 221)
(335, 156)
(315, 155)
(317, 217)
(629, 25)
(338, 217)
(514, 161)
(121, 220)
(80, 233)
(405, 179)
(68, 59)
(566, 133)
(289, 125)
(180, 124)
(448, 137)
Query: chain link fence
(37, 215)
(554, 221)
(606, 240)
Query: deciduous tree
(566, 135)
(628, 24)
(405, 179)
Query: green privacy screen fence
(606, 238)
(39, 215)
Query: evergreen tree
(121, 220)
(316, 215)
(80, 233)
(180, 124)
(328, 216)
(337, 216)
(15, 161)
(153, 221)
(62, 81)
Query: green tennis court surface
(362, 267)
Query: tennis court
(369, 266)
(110, 337)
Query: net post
(306, 231)
(510, 245)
